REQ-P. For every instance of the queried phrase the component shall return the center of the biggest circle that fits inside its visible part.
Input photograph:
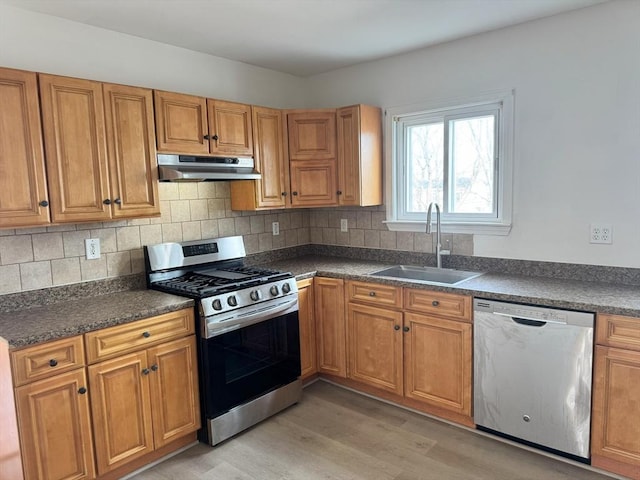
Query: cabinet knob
(146, 334)
(207, 137)
(117, 201)
(53, 362)
(284, 194)
(435, 303)
(372, 294)
(82, 390)
(405, 329)
(396, 327)
(294, 193)
(107, 201)
(339, 192)
(44, 203)
(154, 367)
(214, 137)
(146, 371)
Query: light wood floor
(337, 434)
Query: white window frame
(497, 223)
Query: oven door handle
(252, 317)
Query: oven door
(248, 361)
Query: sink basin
(430, 275)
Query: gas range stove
(213, 273)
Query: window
(456, 154)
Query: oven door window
(248, 362)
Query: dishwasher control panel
(528, 312)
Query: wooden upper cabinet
(22, 174)
(76, 149)
(131, 143)
(230, 131)
(181, 123)
(359, 146)
(313, 183)
(271, 190)
(312, 135)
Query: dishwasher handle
(532, 322)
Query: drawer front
(113, 341)
(46, 359)
(618, 331)
(374, 294)
(438, 303)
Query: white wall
(577, 132)
(42, 43)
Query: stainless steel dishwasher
(532, 375)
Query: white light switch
(92, 248)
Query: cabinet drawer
(438, 303)
(46, 359)
(113, 341)
(374, 294)
(618, 331)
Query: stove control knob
(255, 295)
(286, 288)
(274, 290)
(217, 304)
(232, 301)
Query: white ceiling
(301, 37)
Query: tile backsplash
(42, 257)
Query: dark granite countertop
(551, 292)
(28, 326)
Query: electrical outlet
(92, 248)
(344, 225)
(600, 233)
(275, 228)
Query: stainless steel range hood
(190, 168)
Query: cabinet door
(313, 183)
(181, 123)
(174, 390)
(131, 142)
(121, 408)
(312, 135)
(22, 179)
(615, 440)
(359, 145)
(308, 360)
(375, 346)
(230, 128)
(76, 149)
(438, 362)
(330, 326)
(55, 428)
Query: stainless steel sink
(429, 275)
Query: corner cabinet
(308, 360)
(91, 130)
(271, 190)
(196, 125)
(23, 190)
(330, 326)
(615, 431)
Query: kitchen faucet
(438, 245)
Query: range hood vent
(189, 168)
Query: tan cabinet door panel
(438, 362)
(121, 409)
(313, 183)
(22, 174)
(76, 150)
(131, 144)
(174, 390)
(308, 360)
(55, 428)
(181, 123)
(375, 347)
(230, 129)
(330, 326)
(312, 135)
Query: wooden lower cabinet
(438, 362)
(330, 326)
(143, 400)
(55, 428)
(375, 346)
(308, 358)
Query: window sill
(479, 229)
